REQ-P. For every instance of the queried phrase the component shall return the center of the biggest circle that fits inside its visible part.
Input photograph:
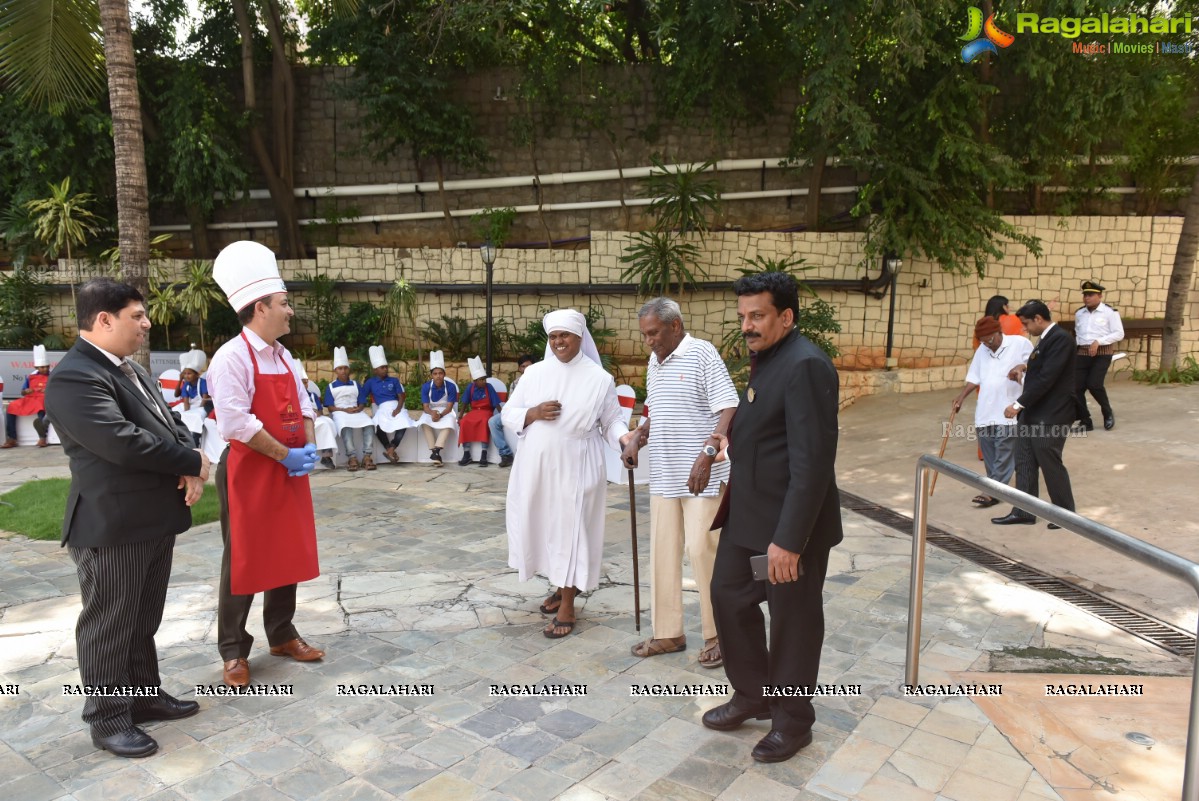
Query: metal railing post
(1143, 552)
(916, 590)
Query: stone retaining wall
(934, 315)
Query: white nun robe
(558, 485)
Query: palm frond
(51, 50)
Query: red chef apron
(272, 530)
(473, 425)
(34, 402)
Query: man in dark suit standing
(1044, 412)
(782, 501)
(133, 476)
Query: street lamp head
(488, 251)
(894, 263)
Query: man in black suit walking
(133, 476)
(782, 501)
(1044, 412)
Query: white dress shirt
(1100, 325)
(231, 384)
(989, 370)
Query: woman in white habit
(564, 409)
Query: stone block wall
(934, 312)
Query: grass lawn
(37, 508)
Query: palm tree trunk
(133, 207)
(1180, 280)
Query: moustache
(750, 336)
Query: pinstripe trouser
(1039, 449)
(124, 588)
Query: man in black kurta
(782, 502)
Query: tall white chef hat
(303, 373)
(194, 359)
(378, 357)
(39, 356)
(573, 322)
(247, 271)
(436, 360)
(476, 367)
(340, 358)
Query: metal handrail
(1151, 555)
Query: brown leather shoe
(352, 464)
(9, 443)
(41, 443)
(237, 673)
(298, 650)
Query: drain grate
(1158, 632)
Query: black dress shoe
(1109, 421)
(1084, 425)
(727, 717)
(165, 708)
(778, 746)
(133, 742)
(1013, 519)
(1053, 526)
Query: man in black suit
(1044, 412)
(133, 476)
(782, 501)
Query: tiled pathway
(416, 591)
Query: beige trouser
(675, 522)
(442, 436)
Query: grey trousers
(998, 444)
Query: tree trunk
(815, 187)
(276, 171)
(133, 206)
(1180, 279)
(201, 245)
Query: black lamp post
(893, 264)
(488, 252)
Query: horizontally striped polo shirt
(685, 395)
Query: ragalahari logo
(991, 36)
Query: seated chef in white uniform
(387, 393)
(326, 432)
(440, 399)
(191, 390)
(345, 399)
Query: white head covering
(476, 367)
(378, 357)
(573, 322)
(194, 359)
(436, 360)
(303, 373)
(340, 358)
(246, 272)
(39, 356)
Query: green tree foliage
(24, 310)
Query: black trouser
(278, 605)
(391, 440)
(1089, 372)
(796, 631)
(123, 588)
(1039, 450)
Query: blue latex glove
(299, 461)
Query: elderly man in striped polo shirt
(690, 398)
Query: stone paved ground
(415, 590)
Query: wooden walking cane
(636, 560)
(941, 453)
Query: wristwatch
(709, 451)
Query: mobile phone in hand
(760, 567)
